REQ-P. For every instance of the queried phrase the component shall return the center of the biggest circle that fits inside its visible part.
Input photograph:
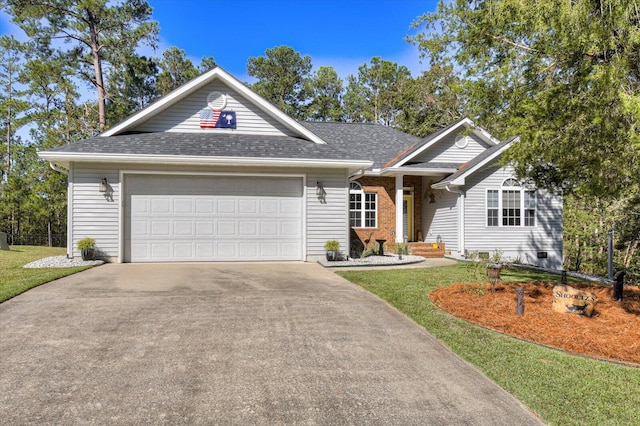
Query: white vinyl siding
(184, 115)
(522, 242)
(328, 213)
(440, 219)
(446, 151)
(94, 214)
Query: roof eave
(392, 171)
(67, 158)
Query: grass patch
(15, 279)
(562, 389)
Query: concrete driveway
(282, 343)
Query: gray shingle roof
(379, 144)
(210, 144)
(345, 141)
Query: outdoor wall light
(104, 185)
(321, 193)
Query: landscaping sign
(569, 300)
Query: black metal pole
(610, 255)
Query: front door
(407, 216)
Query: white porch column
(399, 198)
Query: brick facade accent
(385, 188)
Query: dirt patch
(613, 332)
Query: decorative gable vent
(462, 141)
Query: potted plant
(87, 247)
(332, 247)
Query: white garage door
(205, 218)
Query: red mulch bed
(613, 332)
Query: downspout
(61, 169)
(460, 218)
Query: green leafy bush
(86, 243)
(332, 245)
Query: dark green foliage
(563, 75)
(325, 88)
(176, 70)
(94, 32)
(376, 94)
(282, 79)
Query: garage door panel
(289, 207)
(160, 228)
(290, 229)
(139, 251)
(205, 228)
(160, 205)
(248, 228)
(226, 250)
(269, 228)
(226, 206)
(289, 249)
(139, 228)
(268, 206)
(183, 205)
(205, 206)
(213, 218)
(140, 205)
(160, 250)
(268, 249)
(226, 228)
(183, 250)
(247, 207)
(249, 249)
(204, 250)
(183, 228)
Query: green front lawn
(562, 389)
(14, 279)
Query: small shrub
(332, 245)
(86, 243)
(496, 256)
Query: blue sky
(339, 33)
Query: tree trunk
(10, 94)
(630, 252)
(97, 66)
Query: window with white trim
(363, 207)
(512, 205)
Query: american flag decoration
(209, 118)
(212, 119)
